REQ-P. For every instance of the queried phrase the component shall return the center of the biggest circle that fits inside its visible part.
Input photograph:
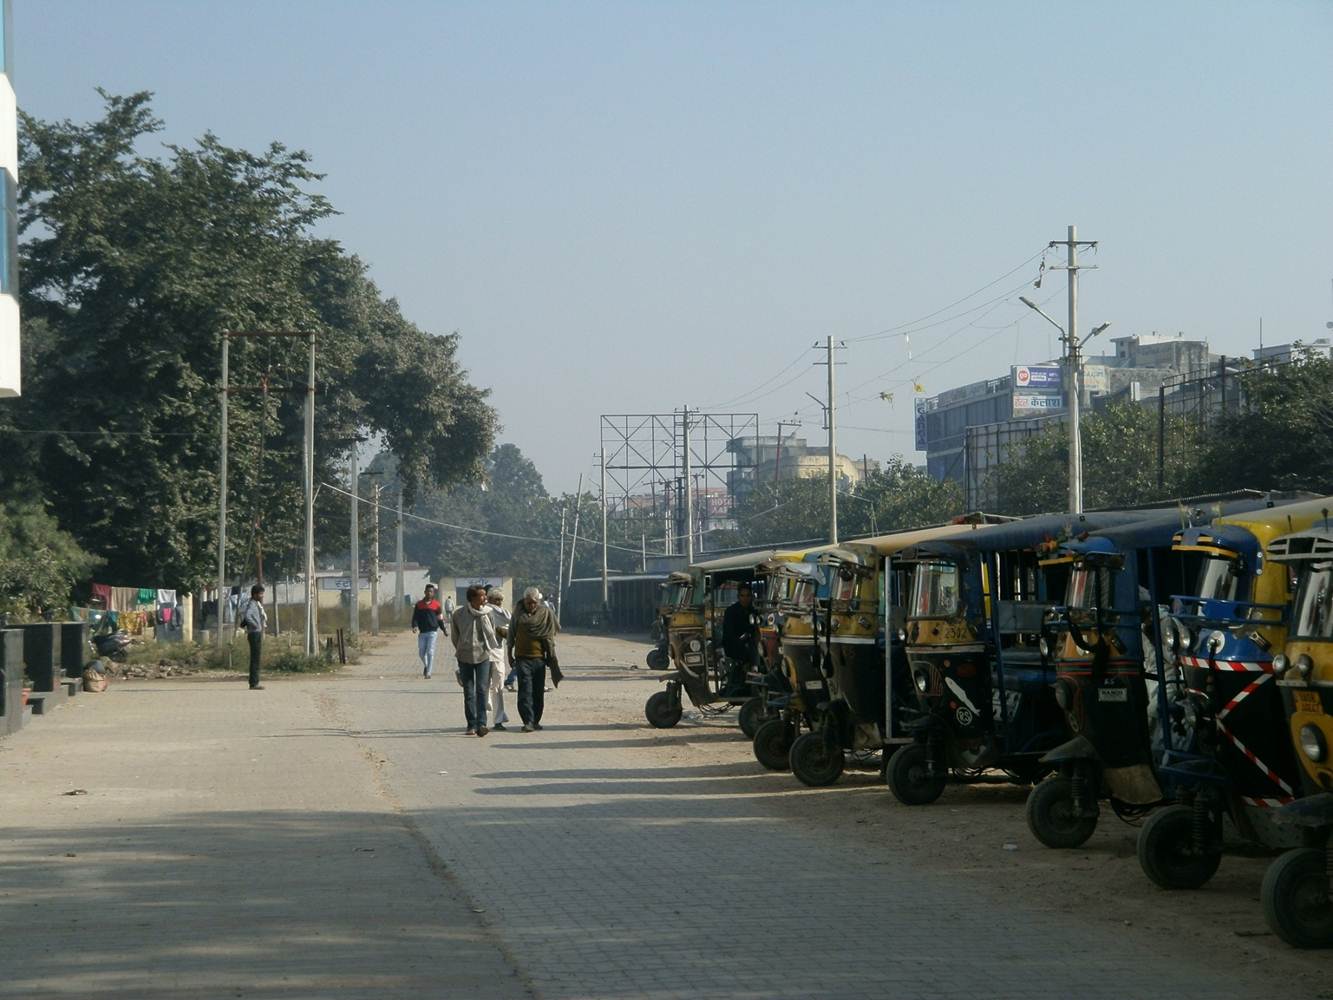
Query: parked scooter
(112, 645)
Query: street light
(874, 529)
(1074, 362)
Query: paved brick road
(342, 839)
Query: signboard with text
(1048, 378)
(1031, 403)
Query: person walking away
(740, 639)
(252, 617)
(531, 640)
(473, 635)
(427, 623)
(500, 618)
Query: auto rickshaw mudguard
(1313, 811)
(1078, 749)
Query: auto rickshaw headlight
(1062, 696)
(695, 645)
(902, 635)
(1280, 664)
(1171, 640)
(1303, 666)
(1312, 743)
(922, 680)
(1216, 641)
(1043, 646)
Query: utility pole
(312, 598)
(374, 566)
(354, 607)
(222, 484)
(560, 568)
(574, 541)
(398, 586)
(689, 489)
(1074, 362)
(777, 462)
(830, 413)
(605, 581)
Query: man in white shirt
(499, 658)
(252, 617)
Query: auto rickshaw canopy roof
(1245, 533)
(1158, 529)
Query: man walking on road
(495, 599)
(428, 623)
(531, 641)
(254, 619)
(474, 637)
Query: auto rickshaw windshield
(935, 590)
(1217, 579)
(1084, 582)
(679, 595)
(1313, 618)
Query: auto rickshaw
(1296, 899)
(676, 593)
(1106, 645)
(973, 647)
(701, 669)
(794, 682)
(1240, 761)
(864, 607)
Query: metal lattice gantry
(651, 481)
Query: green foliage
(1279, 438)
(133, 266)
(1119, 463)
(39, 563)
(792, 510)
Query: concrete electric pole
(354, 619)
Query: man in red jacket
(428, 623)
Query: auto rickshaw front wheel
(814, 761)
(1168, 854)
(752, 716)
(910, 778)
(1053, 815)
(658, 659)
(1296, 899)
(772, 744)
(663, 710)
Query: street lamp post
(1074, 363)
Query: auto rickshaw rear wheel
(658, 659)
(663, 710)
(814, 761)
(772, 744)
(1167, 852)
(909, 776)
(1053, 815)
(1296, 899)
(752, 716)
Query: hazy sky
(629, 207)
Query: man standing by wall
(254, 619)
(473, 634)
(531, 641)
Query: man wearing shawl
(531, 641)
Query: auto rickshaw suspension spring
(1199, 824)
(1076, 781)
(934, 746)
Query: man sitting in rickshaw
(740, 639)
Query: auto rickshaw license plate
(1308, 701)
(1112, 694)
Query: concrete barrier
(75, 653)
(11, 681)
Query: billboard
(1039, 378)
(920, 425)
(1028, 404)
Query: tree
(133, 267)
(1119, 463)
(1280, 437)
(39, 563)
